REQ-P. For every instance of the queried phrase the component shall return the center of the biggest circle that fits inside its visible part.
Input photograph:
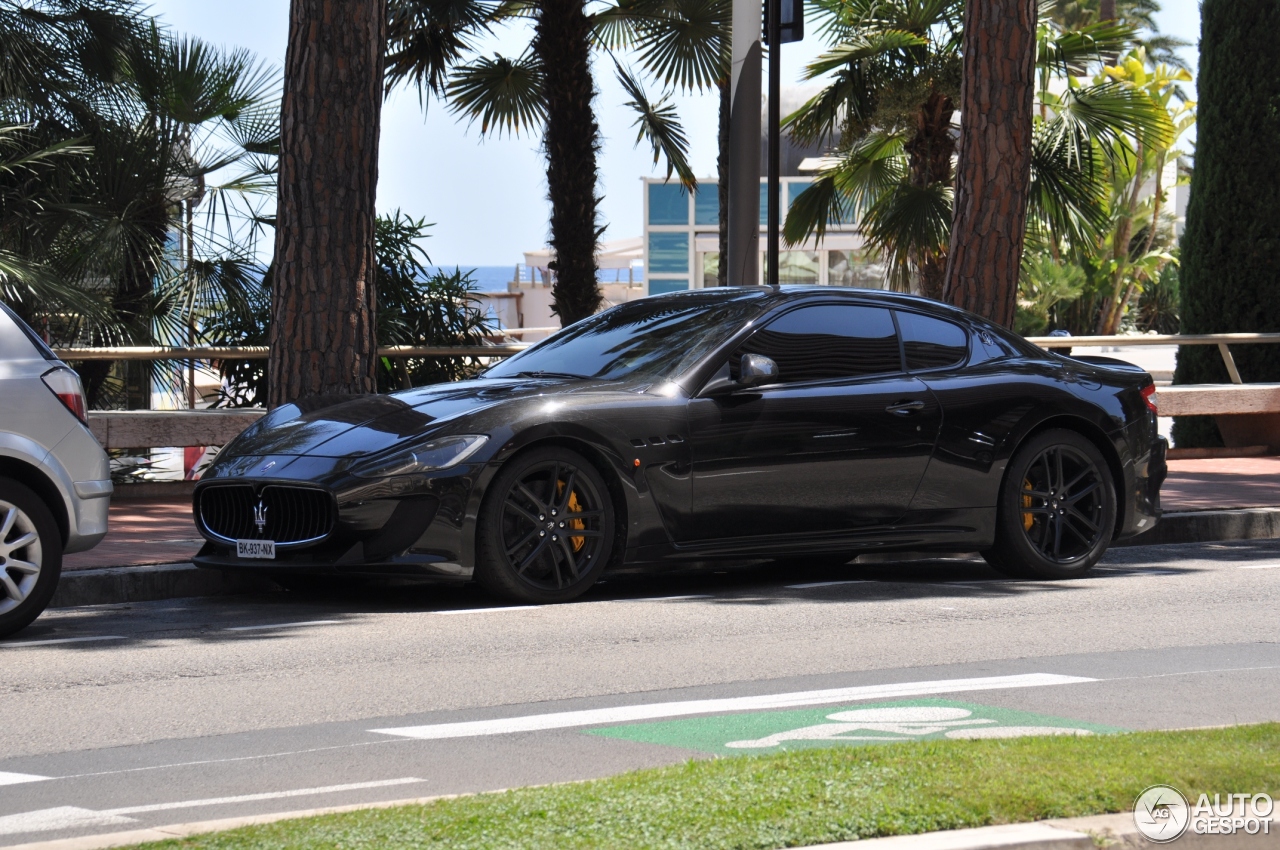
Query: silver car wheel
(20, 556)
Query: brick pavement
(160, 531)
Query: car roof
(769, 296)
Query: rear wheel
(30, 556)
(1057, 509)
(546, 528)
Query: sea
(496, 278)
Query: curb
(111, 585)
(1210, 526)
(1116, 831)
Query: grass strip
(807, 796)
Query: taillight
(1148, 393)
(65, 384)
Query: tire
(30, 556)
(523, 552)
(1057, 509)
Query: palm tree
(152, 116)
(549, 88)
(1140, 15)
(888, 110)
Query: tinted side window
(829, 341)
(932, 343)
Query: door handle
(905, 408)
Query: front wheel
(1057, 509)
(546, 528)
(30, 556)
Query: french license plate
(265, 549)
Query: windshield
(653, 338)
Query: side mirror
(756, 369)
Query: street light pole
(742, 266)
(773, 36)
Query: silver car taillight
(65, 384)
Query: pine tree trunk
(323, 298)
(994, 176)
(562, 40)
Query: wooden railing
(1223, 341)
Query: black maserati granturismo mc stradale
(806, 424)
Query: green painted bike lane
(877, 723)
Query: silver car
(55, 481)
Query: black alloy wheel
(1057, 509)
(546, 529)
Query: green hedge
(1231, 248)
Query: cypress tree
(1231, 247)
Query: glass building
(681, 242)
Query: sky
(487, 196)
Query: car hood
(354, 426)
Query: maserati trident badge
(260, 516)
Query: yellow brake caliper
(579, 524)
(575, 507)
(1028, 519)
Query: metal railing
(1223, 341)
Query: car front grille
(291, 514)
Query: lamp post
(784, 23)
(742, 266)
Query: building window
(668, 253)
(668, 204)
(795, 266)
(706, 204)
(658, 287)
(852, 268)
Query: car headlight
(428, 457)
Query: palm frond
(685, 45)
(427, 39)
(861, 177)
(505, 95)
(1069, 52)
(659, 124)
(862, 47)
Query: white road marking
(60, 640)
(283, 626)
(20, 778)
(270, 795)
(491, 610)
(72, 817)
(654, 711)
(826, 584)
(1260, 566)
(63, 817)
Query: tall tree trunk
(562, 40)
(722, 173)
(323, 299)
(996, 97)
(1106, 10)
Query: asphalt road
(121, 717)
